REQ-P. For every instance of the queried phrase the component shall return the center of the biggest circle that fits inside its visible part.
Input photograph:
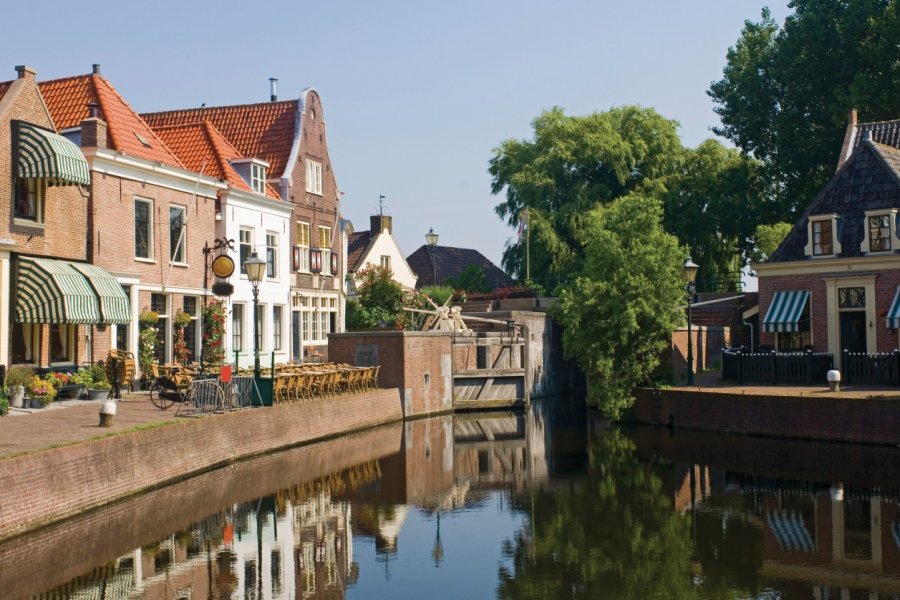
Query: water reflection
(544, 504)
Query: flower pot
(97, 394)
(17, 396)
(37, 403)
(70, 392)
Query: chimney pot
(273, 89)
(25, 71)
(95, 69)
(93, 110)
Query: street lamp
(256, 270)
(432, 238)
(689, 276)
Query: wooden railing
(803, 368)
(873, 369)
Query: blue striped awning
(790, 530)
(46, 155)
(114, 306)
(785, 310)
(893, 315)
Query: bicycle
(164, 392)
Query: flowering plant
(42, 389)
(59, 379)
(148, 317)
(214, 331)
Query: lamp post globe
(432, 239)
(689, 276)
(255, 267)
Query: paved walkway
(711, 382)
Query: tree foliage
(785, 91)
(379, 300)
(623, 307)
(768, 237)
(472, 279)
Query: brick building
(290, 136)
(51, 301)
(832, 284)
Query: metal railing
(804, 368)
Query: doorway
(295, 336)
(853, 331)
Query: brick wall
(418, 363)
(872, 420)
(117, 529)
(45, 486)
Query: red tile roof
(68, 98)
(264, 131)
(3, 87)
(202, 147)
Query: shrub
(19, 375)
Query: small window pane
(142, 229)
(879, 233)
(176, 233)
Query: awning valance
(790, 531)
(114, 306)
(55, 291)
(785, 311)
(46, 155)
(893, 315)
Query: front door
(295, 336)
(853, 331)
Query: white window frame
(386, 261)
(313, 177)
(182, 247)
(149, 232)
(38, 193)
(68, 331)
(325, 236)
(272, 253)
(891, 215)
(810, 248)
(237, 327)
(241, 243)
(303, 236)
(260, 316)
(258, 178)
(278, 327)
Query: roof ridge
(878, 122)
(201, 108)
(67, 78)
(197, 123)
(880, 151)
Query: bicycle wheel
(161, 397)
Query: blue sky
(416, 94)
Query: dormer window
(880, 229)
(253, 172)
(822, 236)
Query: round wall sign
(222, 266)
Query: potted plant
(84, 379)
(100, 385)
(41, 391)
(180, 349)
(65, 386)
(147, 341)
(17, 377)
(213, 351)
(4, 401)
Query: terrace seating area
(299, 382)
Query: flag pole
(527, 248)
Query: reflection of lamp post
(437, 551)
(689, 276)
(256, 270)
(432, 238)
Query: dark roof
(869, 180)
(452, 262)
(356, 247)
(883, 132)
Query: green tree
(785, 92)
(379, 299)
(768, 237)
(569, 166)
(471, 280)
(621, 310)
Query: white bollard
(834, 380)
(107, 412)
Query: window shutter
(315, 261)
(295, 258)
(334, 263)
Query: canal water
(550, 503)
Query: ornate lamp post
(256, 270)
(222, 267)
(689, 276)
(432, 238)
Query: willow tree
(619, 313)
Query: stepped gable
(868, 180)
(203, 148)
(264, 130)
(356, 247)
(67, 100)
(451, 262)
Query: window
(303, 245)
(271, 255)
(318, 317)
(277, 313)
(122, 330)
(237, 327)
(62, 343)
(796, 341)
(822, 238)
(29, 199)
(260, 320)
(177, 233)
(314, 177)
(879, 233)
(25, 343)
(190, 331)
(386, 261)
(258, 178)
(325, 247)
(159, 304)
(143, 229)
(246, 247)
(823, 234)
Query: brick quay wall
(51, 485)
(871, 420)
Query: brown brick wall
(59, 483)
(872, 420)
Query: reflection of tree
(615, 536)
(730, 549)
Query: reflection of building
(324, 547)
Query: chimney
(25, 72)
(95, 69)
(273, 89)
(853, 117)
(93, 129)
(378, 223)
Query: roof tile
(356, 247)
(452, 262)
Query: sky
(416, 95)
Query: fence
(873, 369)
(804, 368)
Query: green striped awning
(114, 307)
(46, 155)
(893, 315)
(52, 291)
(785, 311)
